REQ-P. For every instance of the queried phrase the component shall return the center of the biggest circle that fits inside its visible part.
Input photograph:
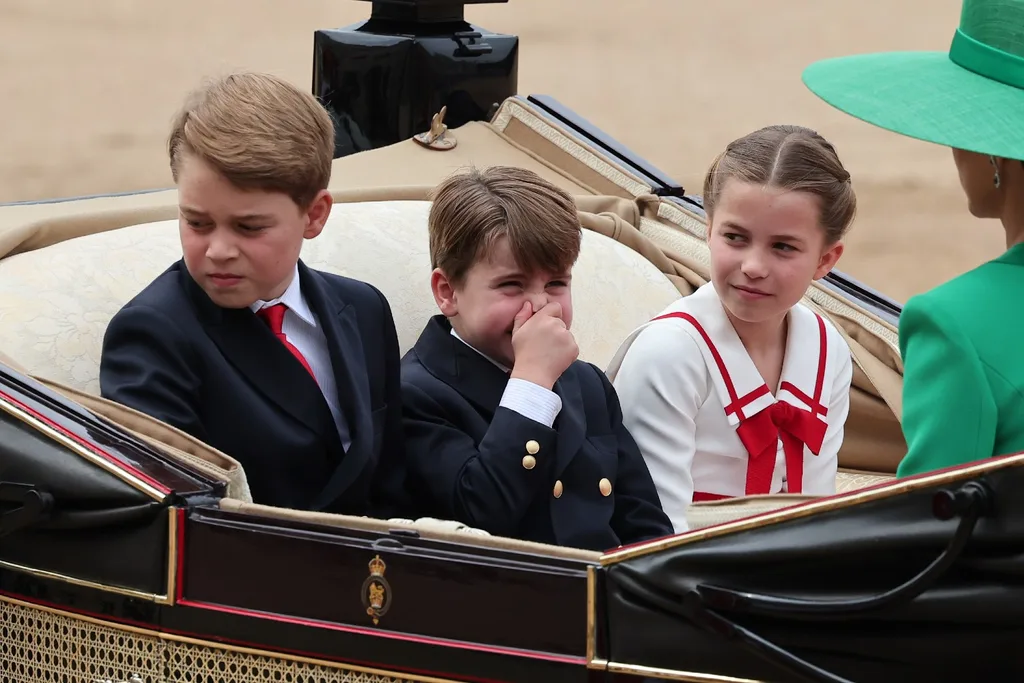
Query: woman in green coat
(963, 342)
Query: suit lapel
(251, 347)
(459, 366)
(482, 384)
(341, 328)
(571, 423)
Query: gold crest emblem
(376, 591)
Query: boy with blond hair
(292, 371)
(506, 430)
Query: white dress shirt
(530, 400)
(305, 333)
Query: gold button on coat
(605, 486)
(532, 447)
(529, 462)
(558, 489)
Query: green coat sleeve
(949, 414)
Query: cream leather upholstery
(55, 302)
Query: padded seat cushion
(56, 301)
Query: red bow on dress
(760, 434)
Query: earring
(995, 180)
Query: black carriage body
(382, 80)
(134, 548)
(131, 554)
(888, 584)
(158, 556)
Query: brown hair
(260, 132)
(788, 158)
(472, 210)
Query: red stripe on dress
(822, 355)
(815, 407)
(814, 403)
(736, 404)
(705, 497)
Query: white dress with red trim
(707, 424)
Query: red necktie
(760, 434)
(273, 316)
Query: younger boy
(505, 430)
(292, 371)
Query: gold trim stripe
(801, 510)
(79, 449)
(673, 675)
(172, 558)
(42, 573)
(171, 578)
(591, 613)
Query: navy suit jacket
(221, 375)
(466, 454)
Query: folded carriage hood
(76, 491)
(50, 461)
(838, 589)
(79, 458)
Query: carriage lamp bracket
(35, 506)
(948, 504)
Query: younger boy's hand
(542, 344)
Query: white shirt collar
(500, 366)
(293, 299)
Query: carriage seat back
(56, 301)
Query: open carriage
(131, 552)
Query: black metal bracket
(675, 191)
(35, 506)
(704, 604)
(970, 502)
(694, 607)
(467, 45)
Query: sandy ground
(87, 90)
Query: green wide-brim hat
(971, 97)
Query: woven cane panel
(36, 645)
(200, 664)
(39, 646)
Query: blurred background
(87, 91)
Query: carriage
(130, 551)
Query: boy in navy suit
(293, 372)
(505, 430)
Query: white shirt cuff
(531, 401)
